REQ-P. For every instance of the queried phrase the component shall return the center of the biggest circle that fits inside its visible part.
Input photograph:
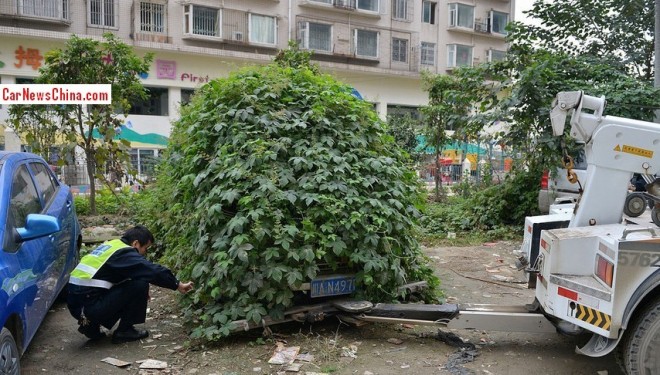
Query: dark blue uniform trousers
(125, 302)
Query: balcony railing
(56, 10)
(481, 27)
(345, 4)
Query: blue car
(41, 240)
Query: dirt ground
(481, 274)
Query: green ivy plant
(274, 176)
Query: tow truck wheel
(9, 358)
(655, 216)
(635, 205)
(641, 344)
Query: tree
(526, 83)
(272, 175)
(537, 75)
(453, 100)
(93, 129)
(621, 31)
(405, 129)
(39, 126)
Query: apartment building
(379, 47)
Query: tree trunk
(437, 178)
(91, 172)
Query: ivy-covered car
(40, 245)
(279, 184)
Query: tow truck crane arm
(615, 149)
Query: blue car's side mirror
(37, 226)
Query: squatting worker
(112, 284)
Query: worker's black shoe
(130, 334)
(91, 331)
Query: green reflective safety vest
(91, 263)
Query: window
(498, 22)
(459, 55)
(144, 161)
(400, 9)
(45, 181)
(262, 29)
(152, 17)
(366, 43)
(199, 20)
(24, 81)
(403, 111)
(428, 12)
(154, 105)
(427, 53)
(186, 96)
(495, 55)
(55, 9)
(370, 5)
(102, 13)
(399, 50)
(461, 15)
(24, 199)
(316, 36)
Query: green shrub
(272, 174)
(491, 213)
(107, 202)
(81, 202)
(508, 203)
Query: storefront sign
(30, 57)
(165, 69)
(189, 77)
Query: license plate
(332, 286)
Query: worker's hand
(184, 288)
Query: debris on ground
(305, 357)
(395, 341)
(466, 353)
(350, 351)
(284, 355)
(115, 362)
(152, 364)
(294, 367)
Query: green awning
(470, 148)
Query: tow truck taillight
(544, 180)
(604, 270)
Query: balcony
(340, 6)
(50, 11)
(344, 4)
(480, 27)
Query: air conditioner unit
(237, 36)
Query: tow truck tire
(655, 216)
(9, 357)
(641, 343)
(635, 205)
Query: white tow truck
(599, 274)
(592, 272)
